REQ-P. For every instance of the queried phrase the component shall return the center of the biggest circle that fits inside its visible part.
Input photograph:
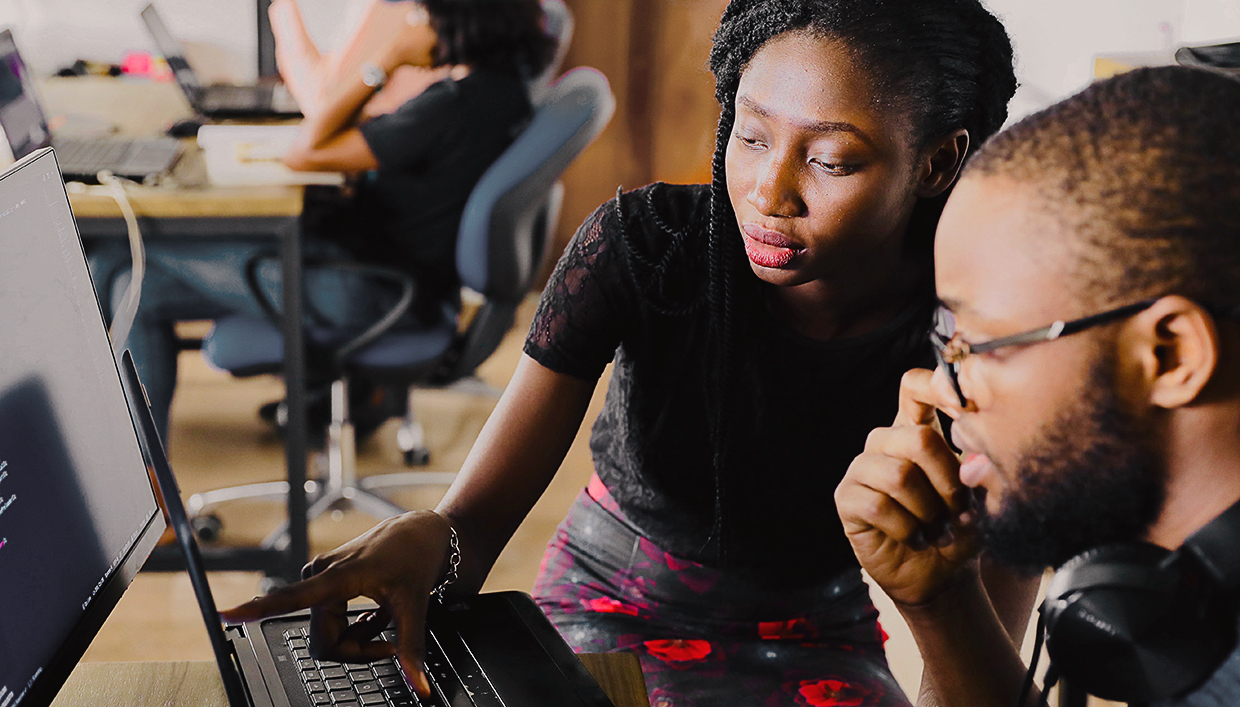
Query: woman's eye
(748, 140)
(832, 167)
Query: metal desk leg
(295, 442)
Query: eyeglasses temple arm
(1062, 328)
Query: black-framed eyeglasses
(950, 350)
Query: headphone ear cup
(1125, 623)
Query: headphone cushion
(1126, 623)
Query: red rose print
(607, 605)
(832, 693)
(882, 634)
(790, 630)
(678, 650)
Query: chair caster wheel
(417, 457)
(207, 528)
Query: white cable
(122, 320)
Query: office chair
(508, 220)
(558, 24)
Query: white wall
(220, 34)
(1056, 40)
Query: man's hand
(396, 564)
(903, 507)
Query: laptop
(71, 411)
(25, 125)
(218, 100)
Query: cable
(123, 319)
(1051, 676)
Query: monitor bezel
(43, 689)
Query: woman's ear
(1178, 346)
(941, 162)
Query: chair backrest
(558, 24)
(499, 245)
(509, 216)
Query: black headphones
(1134, 622)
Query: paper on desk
(249, 155)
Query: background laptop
(78, 515)
(25, 125)
(217, 100)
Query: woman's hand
(903, 507)
(397, 564)
(414, 44)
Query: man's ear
(941, 162)
(1178, 348)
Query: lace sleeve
(587, 304)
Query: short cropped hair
(1145, 169)
(500, 35)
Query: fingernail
(421, 684)
(965, 518)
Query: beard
(1091, 477)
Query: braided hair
(947, 64)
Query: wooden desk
(197, 684)
(185, 205)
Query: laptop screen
(77, 512)
(172, 50)
(23, 121)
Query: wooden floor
(216, 439)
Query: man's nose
(946, 398)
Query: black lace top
(801, 409)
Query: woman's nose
(776, 192)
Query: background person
(308, 72)
(1118, 200)
(759, 327)
(413, 170)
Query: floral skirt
(705, 637)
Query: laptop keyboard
(381, 684)
(219, 97)
(129, 158)
(94, 151)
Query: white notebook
(249, 155)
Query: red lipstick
(767, 248)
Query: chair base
(411, 438)
(340, 489)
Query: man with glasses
(1088, 268)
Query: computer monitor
(266, 44)
(78, 516)
(22, 118)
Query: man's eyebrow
(815, 126)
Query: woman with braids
(759, 326)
